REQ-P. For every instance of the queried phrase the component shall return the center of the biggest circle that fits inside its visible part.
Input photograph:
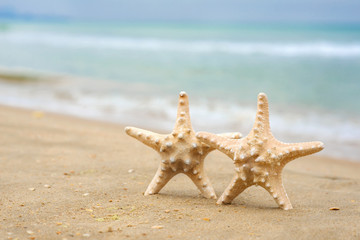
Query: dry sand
(68, 178)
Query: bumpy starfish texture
(180, 152)
(259, 158)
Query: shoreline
(66, 177)
(36, 113)
(110, 101)
(159, 112)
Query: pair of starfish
(259, 158)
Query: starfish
(259, 158)
(180, 152)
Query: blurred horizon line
(203, 23)
(11, 14)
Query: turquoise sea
(131, 73)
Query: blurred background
(126, 62)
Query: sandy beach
(67, 178)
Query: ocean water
(132, 74)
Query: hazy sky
(194, 10)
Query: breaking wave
(286, 49)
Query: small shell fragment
(157, 227)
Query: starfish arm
(236, 187)
(232, 135)
(206, 149)
(160, 179)
(202, 182)
(289, 152)
(223, 144)
(262, 123)
(276, 189)
(149, 138)
(183, 113)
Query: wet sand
(67, 178)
